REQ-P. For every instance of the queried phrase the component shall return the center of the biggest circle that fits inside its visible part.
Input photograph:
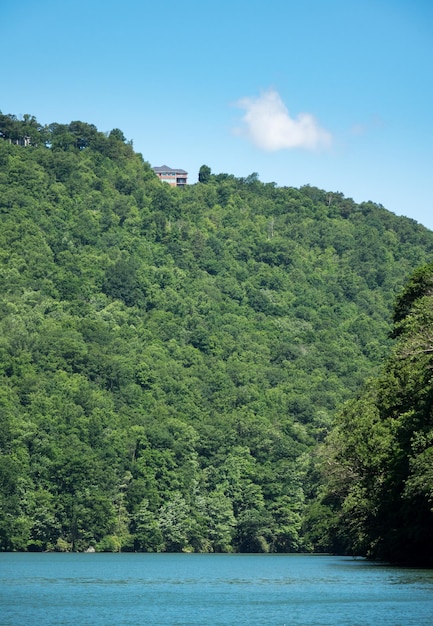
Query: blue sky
(333, 93)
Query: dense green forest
(378, 459)
(172, 360)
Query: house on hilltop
(175, 178)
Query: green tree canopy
(171, 360)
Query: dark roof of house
(165, 168)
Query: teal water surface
(188, 589)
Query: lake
(130, 589)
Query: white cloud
(268, 124)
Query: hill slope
(377, 460)
(169, 357)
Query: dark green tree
(204, 174)
(377, 458)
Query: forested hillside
(378, 459)
(170, 359)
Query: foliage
(171, 358)
(378, 459)
(204, 174)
